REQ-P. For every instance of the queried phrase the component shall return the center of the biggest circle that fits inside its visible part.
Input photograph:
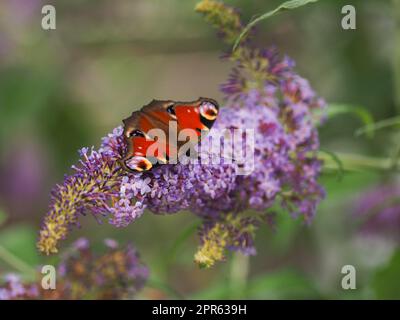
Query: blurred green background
(63, 89)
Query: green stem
(16, 263)
(355, 162)
(287, 5)
(396, 55)
(239, 274)
(383, 124)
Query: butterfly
(168, 118)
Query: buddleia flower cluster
(377, 211)
(264, 94)
(14, 289)
(225, 18)
(118, 273)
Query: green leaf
(288, 5)
(363, 114)
(372, 127)
(20, 242)
(285, 284)
(357, 162)
(335, 158)
(386, 281)
(339, 192)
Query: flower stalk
(238, 274)
(396, 55)
(17, 263)
(356, 162)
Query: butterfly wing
(145, 129)
(197, 115)
(194, 118)
(166, 118)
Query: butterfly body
(149, 133)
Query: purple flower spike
(263, 95)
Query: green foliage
(36, 103)
(339, 191)
(20, 241)
(362, 113)
(69, 124)
(18, 252)
(23, 95)
(386, 281)
(288, 5)
(336, 159)
(283, 284)
(281, 235)
(181, 239)
(371, 128)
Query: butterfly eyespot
(138, 163)
(170, 109)
(208, 111)
(136, 133)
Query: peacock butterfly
(146, 149)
